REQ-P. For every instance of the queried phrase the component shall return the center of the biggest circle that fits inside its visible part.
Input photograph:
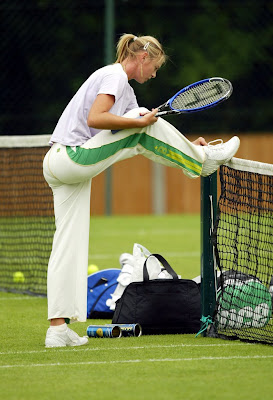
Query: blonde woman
(83, 145)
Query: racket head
(201, 95)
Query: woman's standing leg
(67, 268)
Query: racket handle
(159, 113)
(170, 112)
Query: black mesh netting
(244, 254)
(26, 220)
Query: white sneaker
(66, 337)
(219, 154)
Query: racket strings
(201, 95)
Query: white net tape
(250, 166)
(24, 141)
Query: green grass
(148, 367)
(176, 237)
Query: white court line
(22, 298)
(75, 349)
(149, 360)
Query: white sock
(59, 328)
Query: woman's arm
(99, 116)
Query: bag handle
(165, 264)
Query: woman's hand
(200, 142)
(148, 118)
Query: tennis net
(26, 214)
(243, 240)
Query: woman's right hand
(148, 118)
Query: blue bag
(101, 285)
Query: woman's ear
(143, 56)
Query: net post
(208, 213)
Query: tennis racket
(197, 97)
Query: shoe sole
(50, 346)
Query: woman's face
(146, 68)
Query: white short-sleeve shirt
(72, 128)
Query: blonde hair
(130, 45)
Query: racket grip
(159, 113)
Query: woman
(83, 145)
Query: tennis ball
(100, 332)
(92, 268)
(18, 277)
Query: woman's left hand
(200, 142)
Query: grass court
(148, 367)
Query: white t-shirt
(72, 128)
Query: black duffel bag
(160, 306)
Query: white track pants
(69, 171)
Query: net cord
(250, 166)
(24, 141)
